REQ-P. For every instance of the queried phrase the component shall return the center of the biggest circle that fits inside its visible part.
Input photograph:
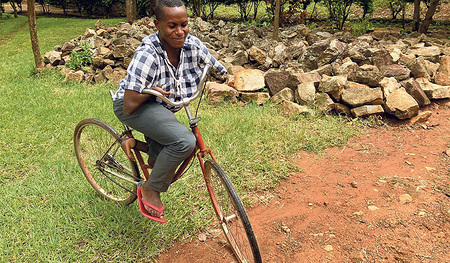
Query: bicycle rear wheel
(105, 165)
(231, 214)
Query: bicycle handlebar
(185, 101)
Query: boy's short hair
(159, 11)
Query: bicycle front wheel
(105, 165)
(231, 214)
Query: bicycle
(115, 176)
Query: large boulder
(249, 80)
(284, 94)
(443, 73)
(397, 71)
(333, 85)
(402, 105)
(217, 93)
(305, 93)
(367, 110)
(296, 79)
(290, 108)
(256, 97)
(389, 85)
(434, 91)
(414, 89)
(368, 77)
(358, 96)
(275, 81)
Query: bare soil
(382, 197)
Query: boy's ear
(156, 24)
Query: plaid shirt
(149, 68)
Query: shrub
(361, 27)
(81, 57)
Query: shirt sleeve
(142, 70)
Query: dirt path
(383, 197)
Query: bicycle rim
(106, 167)
(231, 214)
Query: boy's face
(173, 27)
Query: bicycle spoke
(107, 168)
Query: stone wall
(305, 70)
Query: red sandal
(144, 211)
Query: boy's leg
(174, 141)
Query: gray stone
(388, 85)
(52, 57)
(257, 97)
(290, 108)
(257, 55)
(371, 78)
(305, 93)
(249, 80)
(367, 110)
(276, 81)
(296, 79)
(434, 91)
(414, 89)
(358, 96)
(218, 93)
(443, 73)
(333, 85)
(76, 76)
(402, 105)
(122, 51)
(284, 94)
(397, 71)
(418, 68)
(323, 102)
(240, 58)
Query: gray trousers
(169, 141)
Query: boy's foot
(152, 201)
(143, 207)
(127, 144)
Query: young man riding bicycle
(170, 61)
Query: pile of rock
(356, 76)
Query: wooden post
(33, 35)
(276, 22)
(131, 7)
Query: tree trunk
(151, 8)
(429, 16)
(131, 11)
(33, 35)
(276, 22)
(416, 16)
(13, 5)
(196, 8)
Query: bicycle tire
(104, 164)
(231, 213)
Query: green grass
(49, 211)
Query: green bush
(81, 57)
(361, 27)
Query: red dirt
(326, 206)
